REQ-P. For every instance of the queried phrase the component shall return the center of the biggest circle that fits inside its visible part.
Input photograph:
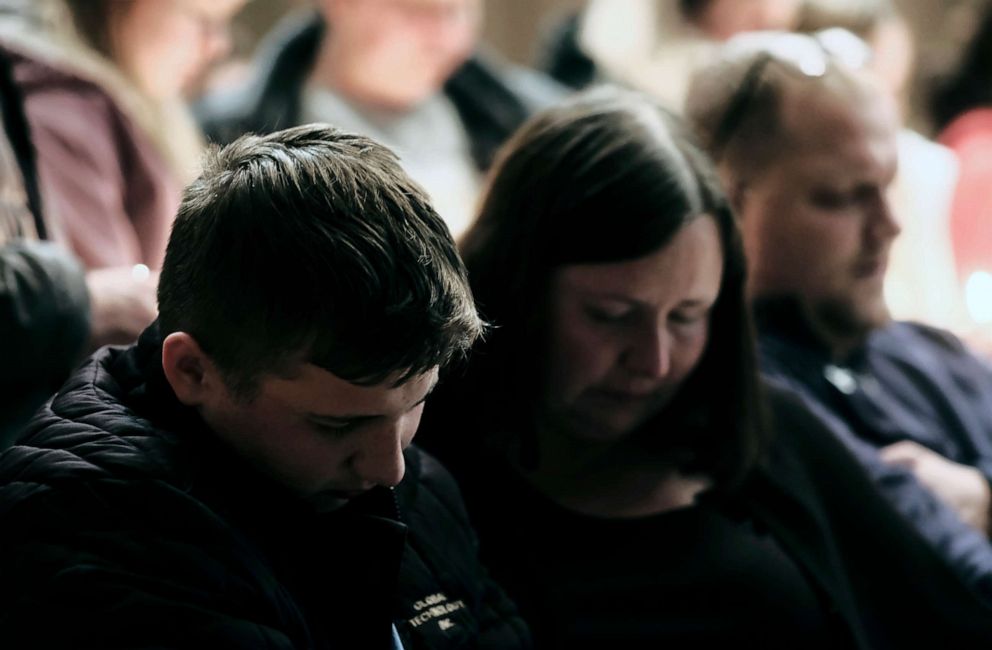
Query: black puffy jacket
(125, 524)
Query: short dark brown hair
(311, 244)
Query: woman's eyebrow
(608, 295)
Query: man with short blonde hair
(806, 146)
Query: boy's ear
(191, 373)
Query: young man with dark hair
(242, 476)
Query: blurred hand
(962, 487)
(122, 304)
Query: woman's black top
(701, 576)
(804, 554)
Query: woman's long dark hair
(606, 177)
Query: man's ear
(188, 369)
(736, 187)
(738, 195)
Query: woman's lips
(624, 395)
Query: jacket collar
(785, 319)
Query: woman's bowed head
(608, 259)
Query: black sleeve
(966, 549)
(904, 593)
(44, 325)
(80, 570)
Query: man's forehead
(819, 119)
(437, 4)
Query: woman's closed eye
(688, 317)
(610, 313)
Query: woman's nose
(650, 353)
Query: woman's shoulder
(795, 425)
(806, 459)
(39, 76)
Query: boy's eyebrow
(338, 420)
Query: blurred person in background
(654, 45)
(52, 310)
(407, 73)
(807, 149)
(103, 85)
(962, 111)
(92, 105)
(44, 302)
(921, 282)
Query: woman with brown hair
(611, 438)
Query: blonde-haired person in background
(654, 45)
(102, 84)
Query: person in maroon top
(103, 88)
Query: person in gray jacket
(408, 73)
